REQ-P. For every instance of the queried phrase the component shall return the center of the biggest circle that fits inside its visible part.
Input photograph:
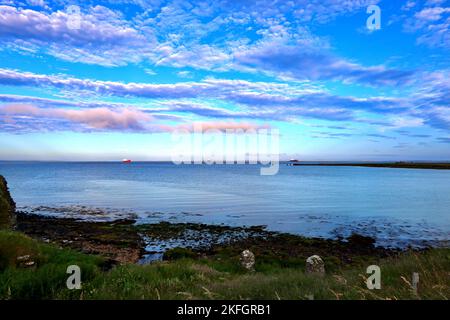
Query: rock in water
(248, 260)
(315, 264)
(7, 206)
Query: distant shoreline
(405, 165)
(419, 164)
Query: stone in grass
(25, 261)
(315, 265)
(23, 258)
(248, 260)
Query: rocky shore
(124, 241)
(113, 240)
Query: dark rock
(179, 253)
(108, 264)
(7, 206)
(357, 240)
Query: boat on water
(293, 162)
(126, 161)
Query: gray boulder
(248, 260)
(315, 265)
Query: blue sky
(113, 79)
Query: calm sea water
(397, 206)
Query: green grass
(47, 278)
(188, 279)
(216, 277)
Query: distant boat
(293, 162)
(126, 161)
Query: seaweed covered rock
(361, 242)
(179, 253)
(7, 206)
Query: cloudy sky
(105, 80)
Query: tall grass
(211, 278)
(46, 278)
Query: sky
(106, 80)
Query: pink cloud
(96, 118)
(125, 119)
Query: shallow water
(396, 206)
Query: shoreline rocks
(123, 241)
(116, 240)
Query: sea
(398, 207)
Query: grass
(214, 277)
(46, 279)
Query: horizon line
(170, 161)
